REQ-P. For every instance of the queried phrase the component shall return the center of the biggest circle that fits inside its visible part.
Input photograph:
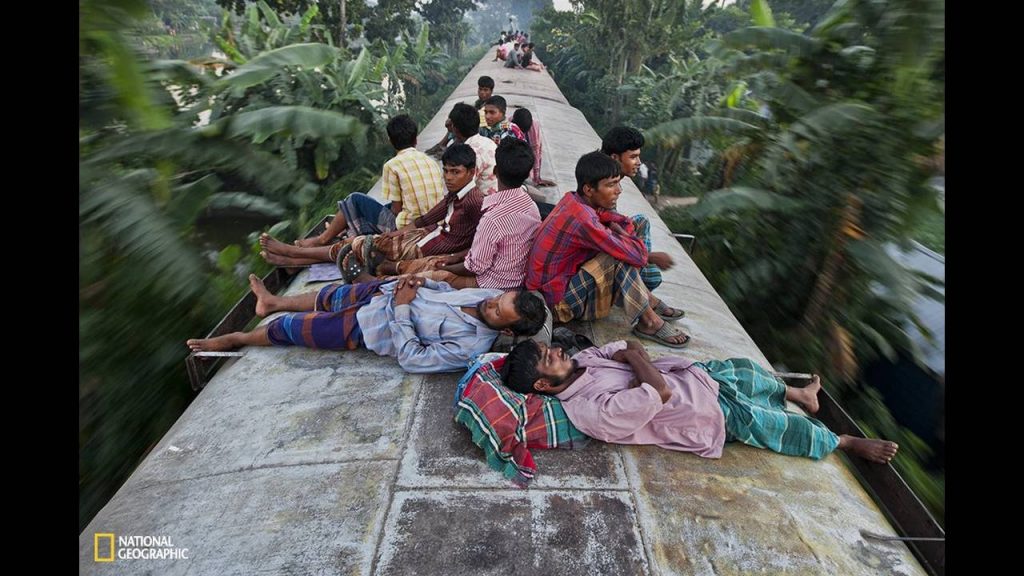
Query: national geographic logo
(105, 549)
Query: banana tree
(824, 177)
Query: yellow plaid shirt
(416, 180)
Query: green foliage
(446, 19)
(280, 130)
(812, 152)
(390, 19)
(327, 19)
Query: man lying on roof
(616, 393)
(427, 325)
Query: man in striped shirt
(498, 256)
(426, 325)
(411, 182)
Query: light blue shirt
(432, 333)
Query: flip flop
(371, 256)
(349, 267)
(661, 309)
(662, 334)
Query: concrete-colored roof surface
(296, 461)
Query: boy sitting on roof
(498, 126)
(588, 257)
(448, 227)
(623, 144)
(501, 245)
(411, 183)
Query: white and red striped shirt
(503, 239)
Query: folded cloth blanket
(506, 424)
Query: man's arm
(454, 263)
(644, 370)
(418, 358)
(482, 253)
(434, 215)
(413, 355)
(622, 247)
(382, 238)
(662, 260)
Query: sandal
(662, 310)
(570, 342)
(349, 266)
(371, 256)
(662, 335)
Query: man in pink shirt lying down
(617, 394)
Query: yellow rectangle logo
(96, 547)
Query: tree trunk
(848, 227)
(342, 25)
(617, 96)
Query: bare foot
(881, 451)
(218, 344)
(278, 260)
(275, 259)
(808, 395)
(264, 299)
(271, 244)
(311, 242)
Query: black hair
(465, 119)
(459, 155)
(402, 131)
(513, 161)
(498, 102)
(593, 167)
(620, 139)
(523, 119)
(520, 369)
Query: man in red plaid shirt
(587, 257)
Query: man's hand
(638, 348)
(614, 227)
(623, 355)
(405, 291)
(644, 371)
(442, 263)
(662, 260)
